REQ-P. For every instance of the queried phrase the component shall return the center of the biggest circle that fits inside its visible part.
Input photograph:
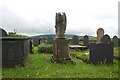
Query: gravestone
(3, 33)
(50, 40)
(101, 53)
(36, 41)
(86, 41)
(119, 43)
(115, 40)
(31, 47)
(105, 39)
(15, 51)
(61, 44)
(75, 40)
(100, 33)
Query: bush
(45, 48)
(16, 35)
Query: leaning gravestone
(31, 46)
(115, 40)
(61, 44)
(36, 41)
(15, 51)
(100, 33)
(105, 39)
(86, 41)
(75, 40)
(50, 40)
(3, 33)
(101, 53)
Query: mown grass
(40, 66)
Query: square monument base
(61, 51)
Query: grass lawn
(39, 65)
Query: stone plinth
(61, 51)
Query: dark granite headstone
(86, 41)
(100, 53)
(115, 40)
(50, 40)
(36, 41)
(3, 33)
(105, 39)
(75, 40)
(15, 51)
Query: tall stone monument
(61, 44)
(100, 33)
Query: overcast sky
(38, 16)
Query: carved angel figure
(60, 24)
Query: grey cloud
(107, 17)
(10, 21)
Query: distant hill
(54, 35)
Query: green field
(39, 65)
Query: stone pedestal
(61, 51)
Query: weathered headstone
(50, 40)
(31, 47)
(100, 33)
(119, 43)
(101, 53)
(105, 39)
(75, 40)
(86, 41)
(61, 45)
(115, 40)
(3, 33)
(36, 41)
(15, 51)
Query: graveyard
(60, 56)
(39, 65)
